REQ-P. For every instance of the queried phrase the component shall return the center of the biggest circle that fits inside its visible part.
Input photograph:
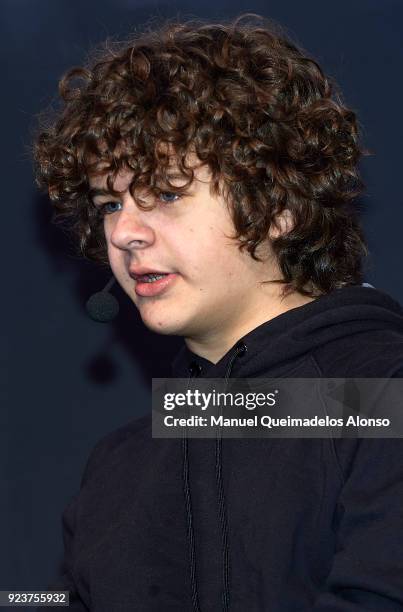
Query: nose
(131, 230)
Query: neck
(217, 342)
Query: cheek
(111, 251)
(215, 264)
(114, 254)
(116, 259)
(107, 230)
(200, 254)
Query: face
(210, 286)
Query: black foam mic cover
(103, 306)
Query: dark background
(68, 380)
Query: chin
(163, 326)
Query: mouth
(151, 277)
(143, 274)
(151, 283)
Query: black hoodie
(251, 525)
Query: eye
(168, 196)
(109, 207)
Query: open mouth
(154, 284)
(150, 278)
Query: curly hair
(250, 104)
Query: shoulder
(372, 353)
(121, 441)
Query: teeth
(150, 278)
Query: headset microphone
(103, 306)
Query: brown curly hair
(251, 105)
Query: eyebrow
(98, 191)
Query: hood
(272, 347)
(334, 320)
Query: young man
(215, 169)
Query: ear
(283, 224)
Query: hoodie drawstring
(240, 349)
(195, 370)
